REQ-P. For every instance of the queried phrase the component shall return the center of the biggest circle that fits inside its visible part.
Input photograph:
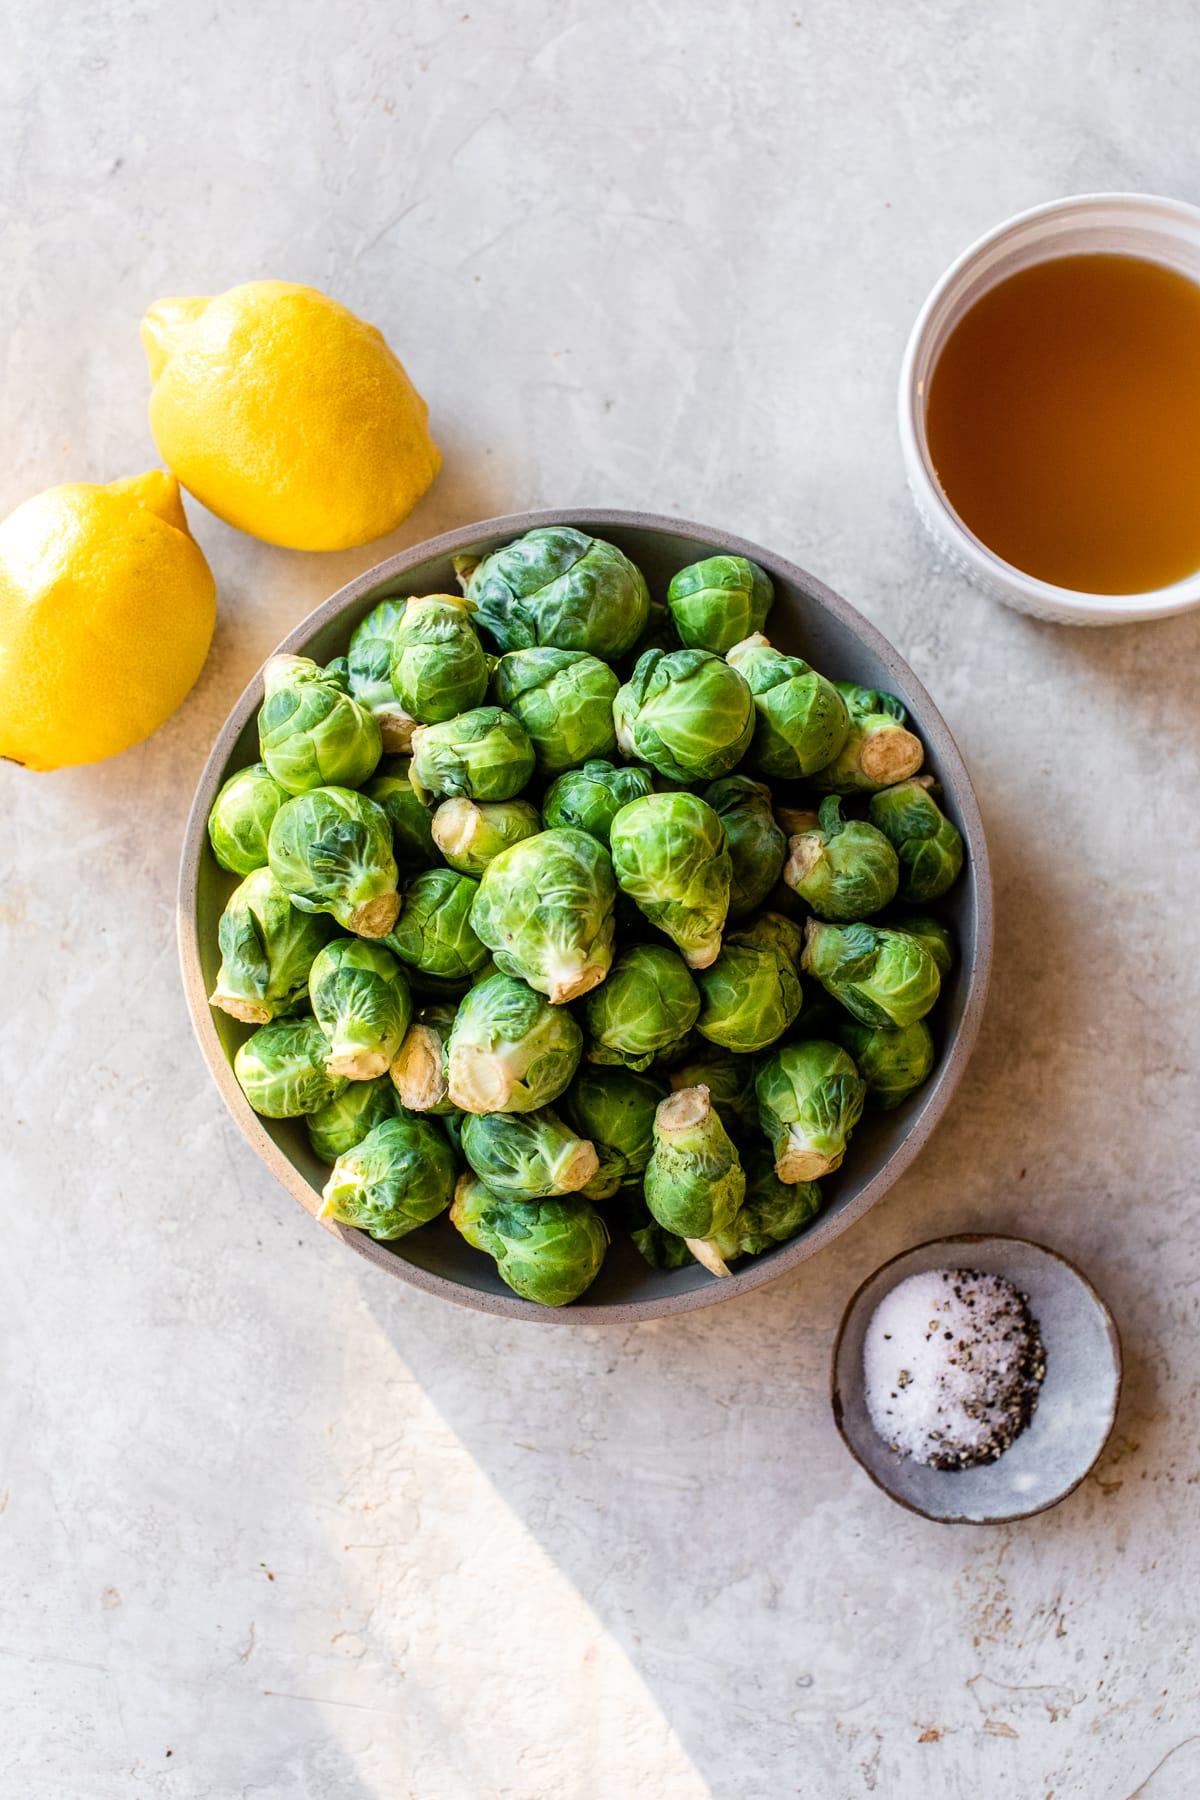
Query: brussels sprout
(932, 933)
(669, 855)
(510, 1050)
(751, 994)
(884, 977)
(418, 1068)
(399, 1176)
(528, 1156)
(661, 1249)
(433, 933)
(757, 845)
(331, 851)
(878, 750)
(564, 699)
(362, 1003)
(730, 1082)
(267, 948)
(717, 603)
(845, 869)
(614, 1109)
(483, 755)
(545, 911)
(438, 666)
(369, 670)
(648, 1003)
(893, 1064)
(800, 718)
(470, 833)
(928, 845)
(810, 1098)
(686, 713)
(771, 1213)
(559, 587)
(410, 819)
(241, 819)
(281, 1069)
(346, 1119)
(548, 1251)
(311, 732)
(694, 1180)
(589, 799)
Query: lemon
(286, 415)
(106, 614)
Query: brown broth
(1064, 423)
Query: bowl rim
(968, 1238)
(995, 573)
(758, 1271)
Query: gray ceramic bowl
(1076, 1407)
(807, 618)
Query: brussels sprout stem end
(357, 1065)
(375, 918)
(250, 1012)
(706, 1253)
(890, 756)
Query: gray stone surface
(275, 1527)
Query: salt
(953, 1361)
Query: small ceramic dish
(1141, 225)
(1076, 1407)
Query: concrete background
(273, 1526)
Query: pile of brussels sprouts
(568, 911)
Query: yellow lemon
(286, 415)
(106, 614)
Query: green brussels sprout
(772, 1212)
(810, 1098)
(686, 713)
(267, 949)
(547, 1251)
(894, 1064)
(589, 799)
(800, 718)
(844, 869)
(564, 699)
(281, 1069)
(471, 833)
(433, 933)
(661, 1249)
(338, 671)
(729, 1079)
(510, 1050)
(346, 1119)
(545, 911)
(757, 845)
(362, 1003)
(369, 670)
(528, 1156)
(438, 666)
(241, 817)
(670, 856)
(331, 851)
(878, 749)
(648, 1004)
(883, 976)
(932, 933)
(410, 819)
(751, 994)
(558, 587)
(928, 845)
(399, 1176)
(311, 732)
(614, 1109)
(418, 1068)
(717, 603)
(694, 1180)
(483, 755)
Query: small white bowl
(1142, 225)
(1077, 1402)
